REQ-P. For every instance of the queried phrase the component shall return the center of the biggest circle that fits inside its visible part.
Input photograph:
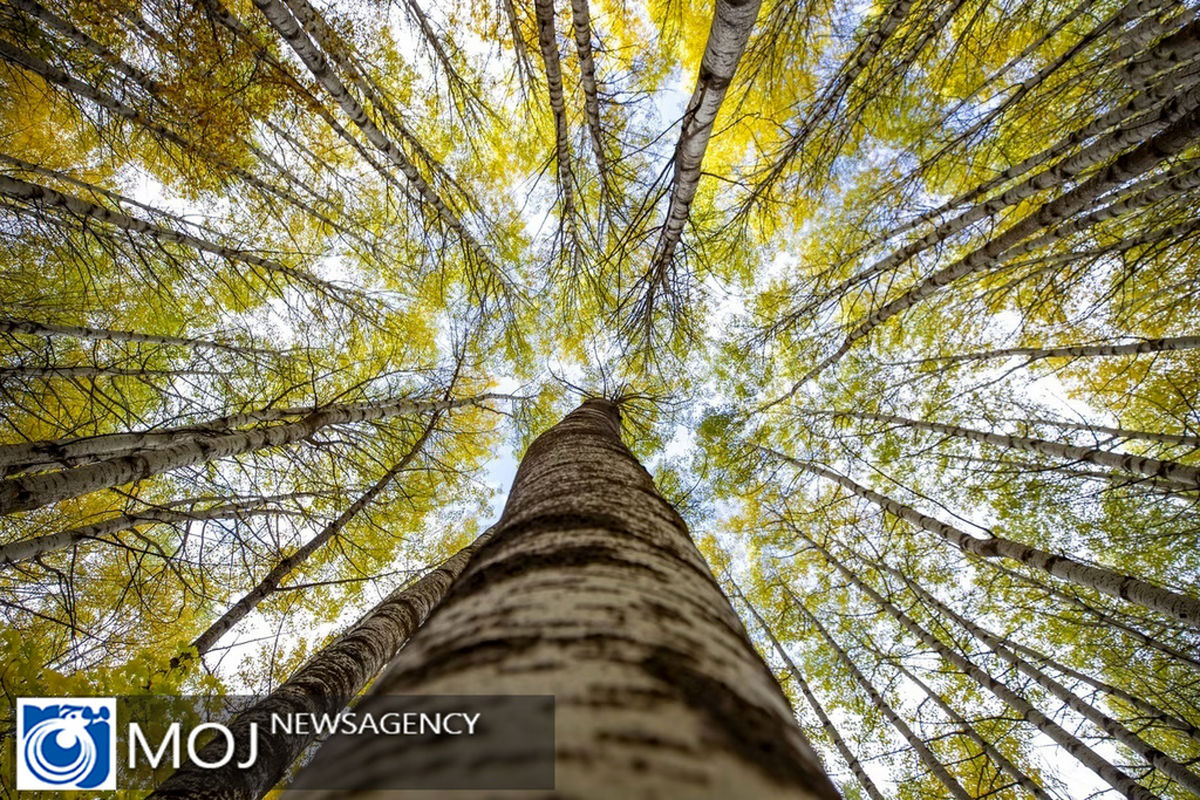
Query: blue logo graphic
(66, 743)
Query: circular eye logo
(66, 744)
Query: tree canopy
(900, 300)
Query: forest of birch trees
(898, 302)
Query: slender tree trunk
(289, 27)
(928, 758)
(732, 23)
(1111, 727)
(34, 491)
(334, 675)
(548, 43)
(1152, 712)
(271, 581)
(26, 549)
(825, 107)
(1175, 605)
(827, 725)
(581, 20)
(1182, 439)
(1085, 755)
(1164, 344)
(1182, 475)
(108, 102)
(73, 451)
(591, 589)
(34, 194)
(998, 758)
(51, 330)
(1102, 617)
(1172, 140)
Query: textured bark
(916, 743)
(732, 22)
(1103, 617)
(35, 491)
(110, 103)
(1151, 712)
(37, 195)
(1170, 142)
(825, 106)
(864, 780)
(581, 20)
(289, 27)
(52, 330)
(1111, 727)
(26, 549)
(271, 581)
(1084, 754)
(592, 590)
(63, 26)
(548, 43)
(73, 451)
(322, 686)
(1173, 185)
(998, 758)
(1110, 582)
(1165, 344)
(48, 373)
(1172, 472)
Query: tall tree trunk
(51, 330)
(1169, 142)
(322, 686)
(270, 582)
(581, 20)
(548, 43)
(1103, 617)
(1164, 344)
(591, 589)
(918, 745)
(1111, 727)
(495, 281)
(1175, 605)
(1182, 475)
(1115, 778)
(76, 450)
(34, 491)
(43, 196)
(26, 549)
(827, 725)
(989, 749)
(732, 22)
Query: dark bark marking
(755, 734)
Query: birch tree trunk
(1182, 475)
(591, 589)
(1149, 154)
(34, 491)
(1175, 605)
(548, 43)
(322, 686)
(927, 756)
(989, 749)
(76, 450)
(270, 582)
(1115, 778)
(51, 330)
(731, 25)
(1164, 344)
(827, 725)
(1111, 727)
(27, 549)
